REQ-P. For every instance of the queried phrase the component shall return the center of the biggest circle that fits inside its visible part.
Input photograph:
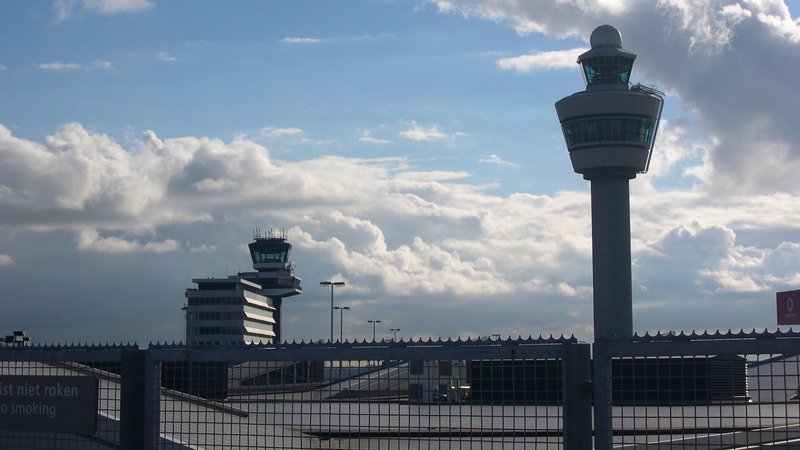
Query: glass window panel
(607, 129)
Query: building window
(220, 330)
(214, 301)
(608, 129)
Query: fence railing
(735, 390)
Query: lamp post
(373, 322)
(332, 284)
(341, 319)
(395, 333)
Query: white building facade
(228, 311)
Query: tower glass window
(268, 256)
(607, 69)
(609, 129)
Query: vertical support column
(576, 372)
(132, 400)
(611, 255)
(601, 387)
(152, 402)
(276, 328)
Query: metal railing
(104, 363)
(404, 395)
(714, 391)
(733, 390)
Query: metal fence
(103, 363)
(712, 391)
(418, 395)
(737, 390)
(470, 394)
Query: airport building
(246, 307)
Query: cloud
(311, 40)
(92, 241)
(166, 57)
(58, 66)
(561, 59)
(301, 40)
(66, 8)
(414, 245)
(6, 260)
(420, 133)
(3, 68)
(367, 138)
(494, 159)
(276, 132)
(709, 56)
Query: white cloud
(301, 40)
(61, 66)
(368, 138)
(66, 8)
(276, 132)
(3, 68)
(428, 240)
(417, 132)
(312, 40)
(561, 59)
(494, 159)
(92, 241)
(58, 66)
(100, 64)
(708, 55)
(166, 57)
(6, 260)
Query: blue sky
(411, 148)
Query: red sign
(788, 307)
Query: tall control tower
(609, 129)
(274, 272)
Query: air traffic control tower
(610, 129)
(274, 272)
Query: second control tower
(274, 272)
(610, 129)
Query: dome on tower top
(606, 36)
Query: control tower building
(274, 272)
(609, 129)
(246, 307)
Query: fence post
(131, 402)
(152, 401)
(603, 424)
(576, 375)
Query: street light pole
(341, 320)
(332, 284)
(373, 322)
(395, 333)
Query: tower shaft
(611, 255)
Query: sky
(409, 148)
